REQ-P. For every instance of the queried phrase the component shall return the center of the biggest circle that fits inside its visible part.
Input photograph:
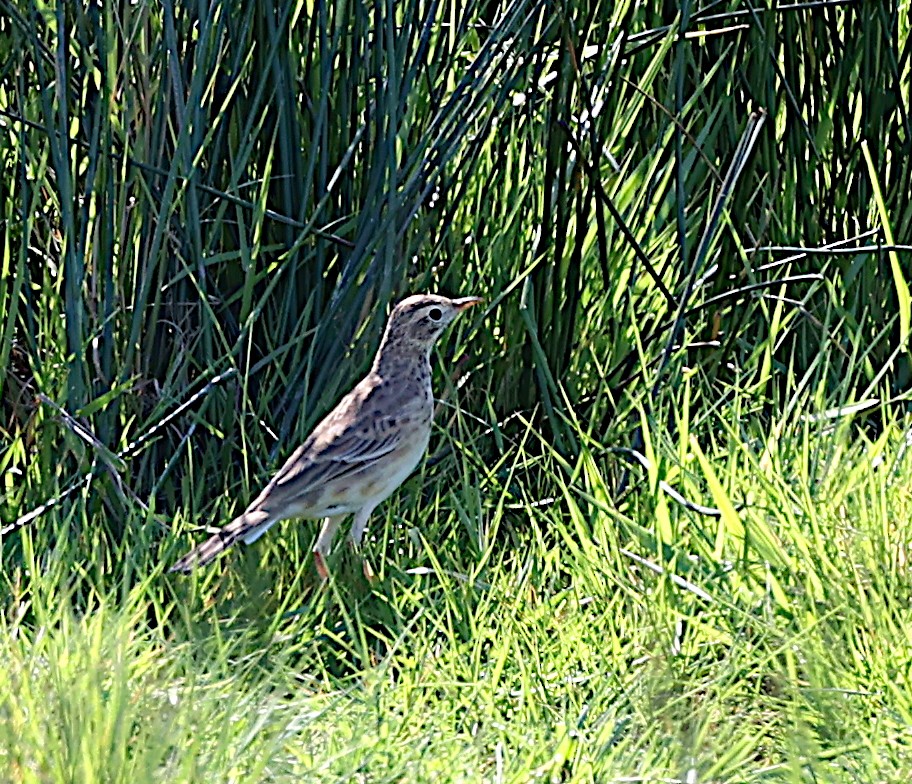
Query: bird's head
(418, 321)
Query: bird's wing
(350, 454)
(354, 436)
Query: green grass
(528, 645)
(663, 534)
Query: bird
(363, 449)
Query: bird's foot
(354, 545)
(320, 563)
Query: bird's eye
(435, 314)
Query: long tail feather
(248, 526)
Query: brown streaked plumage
(363, 449)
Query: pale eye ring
(435, 314)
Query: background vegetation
(663, 533)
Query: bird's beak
(466, 302)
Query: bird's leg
(358, 525)
(357, 534)
(324, 543)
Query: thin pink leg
(321, 565)
(324, 543)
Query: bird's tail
(248, 527)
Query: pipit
(363, 449)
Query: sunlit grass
(561, 656)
